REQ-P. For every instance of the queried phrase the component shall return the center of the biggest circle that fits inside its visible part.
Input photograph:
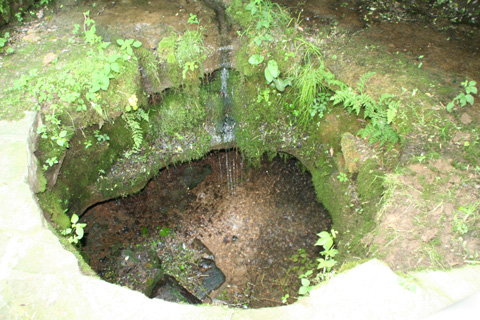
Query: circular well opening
(211, 231)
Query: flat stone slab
(39, 279)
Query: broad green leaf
(268, 37)
(268, 76)
(273, 68)
(104, 84)
(63, 133)
(79, 232)
(129, 51)
(107, 68)
(120, 42)
(280, 84)
(112, 58)
(305, 282)
(450, 106)
(256, 59)
(115, 67)
(469, 98)
(137, 44)
(74, 219)
(303, 290)
(326, 242)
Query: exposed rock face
(151, 21)
(355, 151)
(141, 268)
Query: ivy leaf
(273, 68)
(280, 84)
(256, 59)
(268, 76)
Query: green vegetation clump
(184, 54)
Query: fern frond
(363, 79)
(140, 114)
(136, 130)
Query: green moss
(370, 182)
(151, 80)
(350, 264)
(236, 14)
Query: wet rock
(169, 289)
(206, 264)
(139, 269)
(195, 175)
(212, 276)
(201, 251)
(213, 279)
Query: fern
(380, 113)
(140, 114)
(133, 124)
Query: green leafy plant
(101, 137)
(325, 264)
(311, 84)
(272, 74)
(329, 252)
(4, 42)
(132, 121)
(189, 65)
(127, 47)
(464, 97)
(342, 177)
(380, 114)
(193, 19)
(186, 52)
(465, 219)
(50, 162)
(75, 232)
(163, 232)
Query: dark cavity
(211, 231)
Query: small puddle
(222, 231)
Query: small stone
(48, 58)
(465, 118)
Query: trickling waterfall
(226, 127)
